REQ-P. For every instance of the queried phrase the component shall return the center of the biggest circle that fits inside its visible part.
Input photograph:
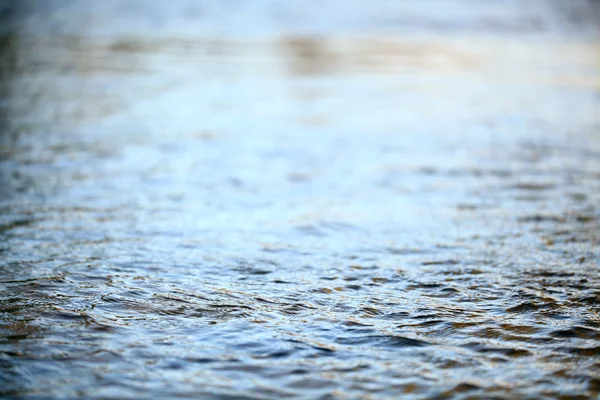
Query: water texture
(304, 200)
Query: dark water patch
(586, 218)
(311, 231)
(440, 262)
(320, 347)
(505, 351)
(580, 332)
(534, 186)
(461, 388)
(466, 172)
(551, 274)
(264, 267)
(579, 197)
(425, 324)
(407, 250)
(386, 341)
(18, 330)
(520, 329)
(582, 351)
(538, 218)
(591, 300)
(533, 306)
(8, 226)
(296, 308)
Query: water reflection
(8, 68)
(309, 55)
(296, 212)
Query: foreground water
(252, 200)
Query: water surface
(269, 200)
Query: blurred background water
(266, 199)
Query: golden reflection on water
(439, 67)
(312, 55)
